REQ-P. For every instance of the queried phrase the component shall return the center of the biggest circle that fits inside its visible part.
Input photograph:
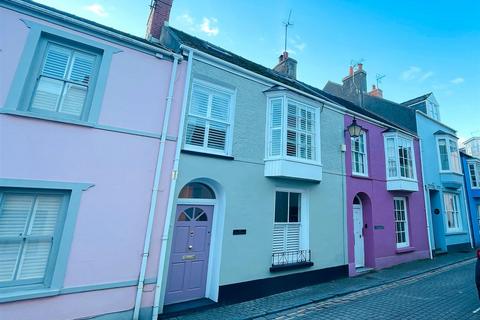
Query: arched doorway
(189, 253)
(359, 242)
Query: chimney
(286, 66)
(355, 82)
(376, 92)
(159, 15)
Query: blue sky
(420, 46)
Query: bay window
(448, 155)
(400, 162)
(293, 139)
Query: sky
(420, 46)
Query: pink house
(89, 120)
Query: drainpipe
(166, 227)
(153, 199)
(425, 189)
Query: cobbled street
(447, 293)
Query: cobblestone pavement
(446, 293)
(285, 303)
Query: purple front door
(187, 274)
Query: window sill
(287, 168)
(405, 250)
(451, 172)
(290, 266)
(46, 117)
(27, 294)
(402, 184)
(360, 176)
(454, 233)
(207, 154)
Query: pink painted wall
(380, 245)
(111, 223)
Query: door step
(178, 309)
(363, 270)
(439, 252)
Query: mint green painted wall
(250, 196)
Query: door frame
(363, 236)
(216, 237)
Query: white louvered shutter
(31, 221)
(63, 82)
(209, 119)
(276, 127)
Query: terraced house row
(139, 175)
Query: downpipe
(154, 197)
(166, 227)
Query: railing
(291, 257)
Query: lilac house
(89, 120)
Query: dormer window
(433, 110)
(448, 155)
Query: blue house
(471, 174)
(445, 200)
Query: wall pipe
(427, 206)
(154, 196)
(166, 227)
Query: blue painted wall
(473, 200)
(436, 183)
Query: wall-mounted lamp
(355, 130)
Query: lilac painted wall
(111, 223)
(380, 245)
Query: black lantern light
(355, 130)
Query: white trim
(407, 226)
(230, 123)
(456, 197)
(365, 158)
(396, 136)
(476, 169)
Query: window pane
(82, 68)
(291, 143)
(217, 135)
(281, 206)
(220, 107)
(73, 99)
(197, 190)
(9, 254)
(294, 209)
(391, 158)
(195, 134)
(47, 94)
(454, 157)
(34, 259)
(56, 61)
(442, 148)
(199, 103)
(45, 215)
(14, 214)
(473, 175)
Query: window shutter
(279, 238)
(292, 237)
(217, 135)
(47, 94)
(195, 134)
(56, 61)
(276, 128)
(199, 104)
(82, 68)
(73, 99)
(29, 221)
(220, 107)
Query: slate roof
(416, 100)
(225, 55)
(398, 114)
(90, 22)
(441, 133)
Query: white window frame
(303, 216)
(363, 136)
(285, 98)
(433, 110)
(406, 243)
(451, 165)
(476, 172)
(456, 198)
(396, 136)
(212, 88)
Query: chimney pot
(350, 71)
(360, 66)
